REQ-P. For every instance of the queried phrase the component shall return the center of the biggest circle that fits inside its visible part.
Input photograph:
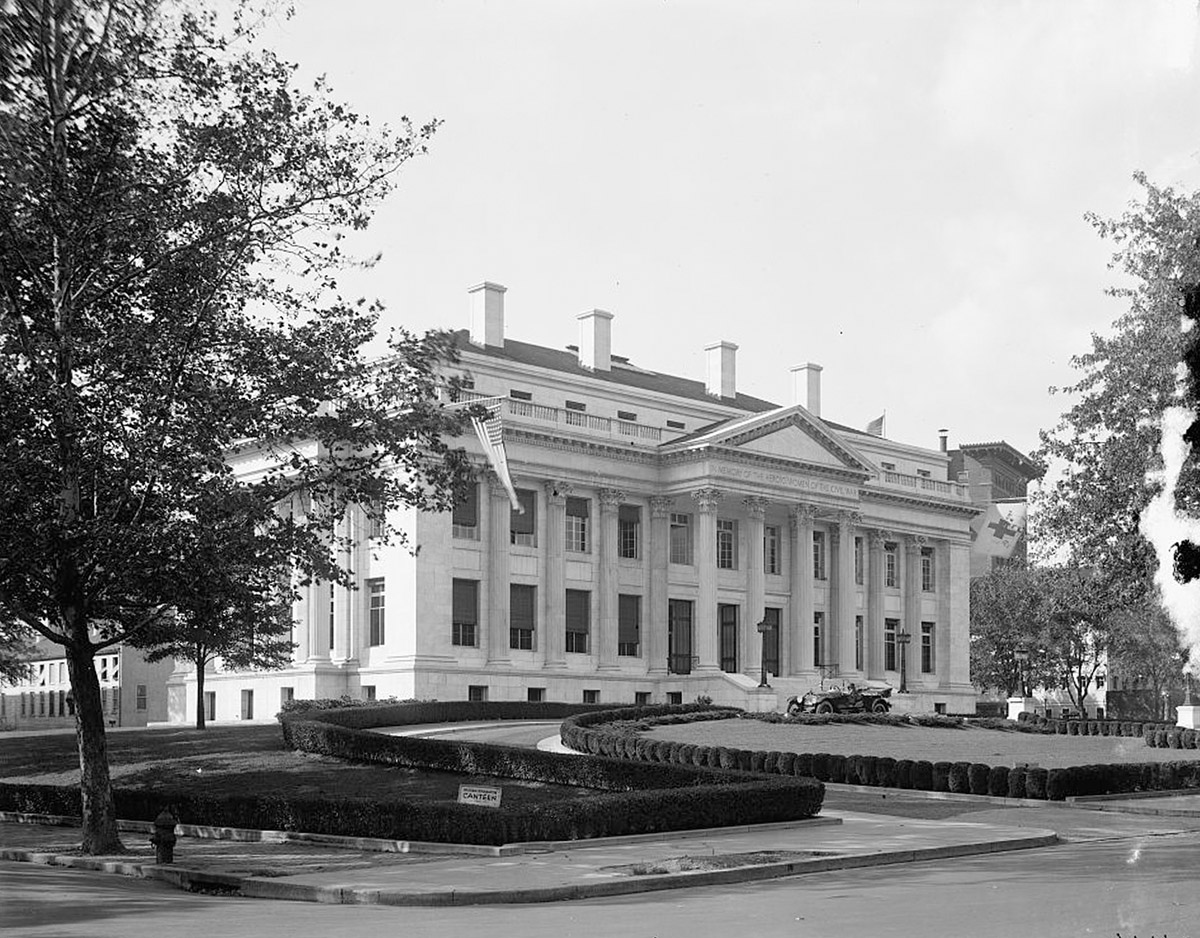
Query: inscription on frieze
(787, 480)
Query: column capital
(707, 499)
(914, 543)
(610, 498)
(802, 513)
(557, 491)
(661, 505)
(495, 486)
(849, 518)
(879, 537)
(756, 506)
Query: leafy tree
(233, 597)
(1006, 618)
(1077, 612)
(172, 210)
(1109, 439)
(1146, 648)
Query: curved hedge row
(1171, 737)
(588, 734)
(1092, 727)
(633, 798)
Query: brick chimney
(806, 387)
(944, 438)
(722, 369)
(595, 340)
(487, 314)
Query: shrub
(885, 772)
(758, 759)
(941, 776)
(821, 765)
(960, 778)
(771, 763)
(787, 763)
(1072, 727)
(1058, 783)
(1174, 740)
(977, 778)
(803, 766)
(837, 768)
(904, 774)
(997, 781)
(922, 776)
(1035, 783)
(1016, 782)
(726, 757)
(743, 759)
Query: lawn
(935, 744)
(244, 759)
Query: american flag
(491, 437)
(875, 427)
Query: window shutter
(466, 602)
(466, 509)
(577, 507)
(578, 607)
(520, 606)
(629, 615)
(524, 523)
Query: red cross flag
(995, 532)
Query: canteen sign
(479, 794)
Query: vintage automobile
(848, 699)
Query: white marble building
(665, 519)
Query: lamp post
(763, 629)
(902, 639)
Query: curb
(262, 888)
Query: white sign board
(479, 794)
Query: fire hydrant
(163, 837)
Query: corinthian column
(654, 624)
(496, 631)
(912, 604)
(875, 616)
(846, 592)
(756, 590)
(801, 519)
(606, 633)
(554, 596)
(707, 645)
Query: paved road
(1140, 886)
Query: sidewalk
(411, 874)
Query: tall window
(376, 520)
(577, 524)
(579, 603)
(726, 544)
(771, 549)
(210, 705)
(818, 628)
(375, 598)
(247, 705)
(891, 565)
(770, 639)
(629, 625)
(464, 616)
(927, 570)
(522, 525)
(818, 555)
(522, 600)
(927, 645)
(858, 643)
(464, 522)
(681, 538)
(679, 636)
(727, 616)
(139, 700)
(858, 560)
(629, 532)
(890, 627)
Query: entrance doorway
(679, 636)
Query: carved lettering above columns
(788, 480)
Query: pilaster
(800, 519)
(654, 626)
(875, 611)
(554, 602)
(496, 632)
(607, 585)
(846, 592)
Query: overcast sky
(894, 190)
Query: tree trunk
(95, 785)
(200, 663)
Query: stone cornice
(965, 509)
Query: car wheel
(824, 707)
(880, 706)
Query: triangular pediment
(791, 442)
(790, 433)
